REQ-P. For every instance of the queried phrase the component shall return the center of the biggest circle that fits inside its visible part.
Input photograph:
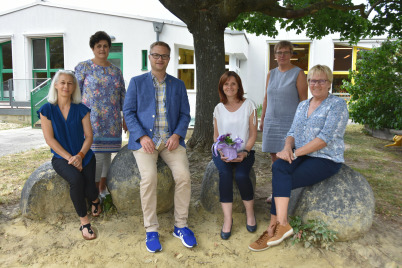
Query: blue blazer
(140, 108)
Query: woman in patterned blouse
(103, 91)
(313, 152)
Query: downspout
(158, 26)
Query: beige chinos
(177, 161)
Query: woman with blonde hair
(313, 152)
(67, 130)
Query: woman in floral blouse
(103, 91)
(313, 152)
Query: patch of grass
(380, 165)
(15, 169)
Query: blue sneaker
(186, 236)
(152, 242)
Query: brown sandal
(90, 231)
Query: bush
(376, 95)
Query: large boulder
(210, 190)
(45, 193)
(123, 181)
(344, 201)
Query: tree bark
(209, 50)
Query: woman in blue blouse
(103, 91)
(313, 152)
(67, 130)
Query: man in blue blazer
(157, 114)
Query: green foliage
(323, 21)
(313, 233)
(255, 22)
(376, 94)
(259, 110)
(107, 203)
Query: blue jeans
(242, 177)
(304, 171)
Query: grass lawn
(381, 166)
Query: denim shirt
(327, 122)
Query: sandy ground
(57, 242)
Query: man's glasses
(280, 53)
(157, 56)
(320, 82)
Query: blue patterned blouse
(103, 91)
(327, 122)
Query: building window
(144, 60)
(344, 60)
(48, 58)
(116, 55)
(300, 56)
(6, 69)
(186, 68)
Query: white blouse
(236, 123)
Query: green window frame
(116, 55)
(144, 60)
(47, 72)
(4, 71)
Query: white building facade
(38, 39)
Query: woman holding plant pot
(235, 115)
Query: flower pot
(229, 152)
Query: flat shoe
(225, 236)
(253, 228)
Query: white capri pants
(103, 161)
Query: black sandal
(97, 206)
(90, 231)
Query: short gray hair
(52, 96)
(284, 44)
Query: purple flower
(225, 141)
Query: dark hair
(284, 44)
(159, 43)
(99, 36)
(222, 81)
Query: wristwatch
(248, 152)
(294, 155)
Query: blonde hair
(52, 95)
(320, 69)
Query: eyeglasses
(157, 56)
(320, 82)
(280, 53)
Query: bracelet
(81, 154)
(248, 152)
(294, 155)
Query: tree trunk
(209, 51)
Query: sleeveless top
(68, 132)
(236, 123)
(282, 101)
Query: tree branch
(282, 12)
(372, 7)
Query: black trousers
(82, 184)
